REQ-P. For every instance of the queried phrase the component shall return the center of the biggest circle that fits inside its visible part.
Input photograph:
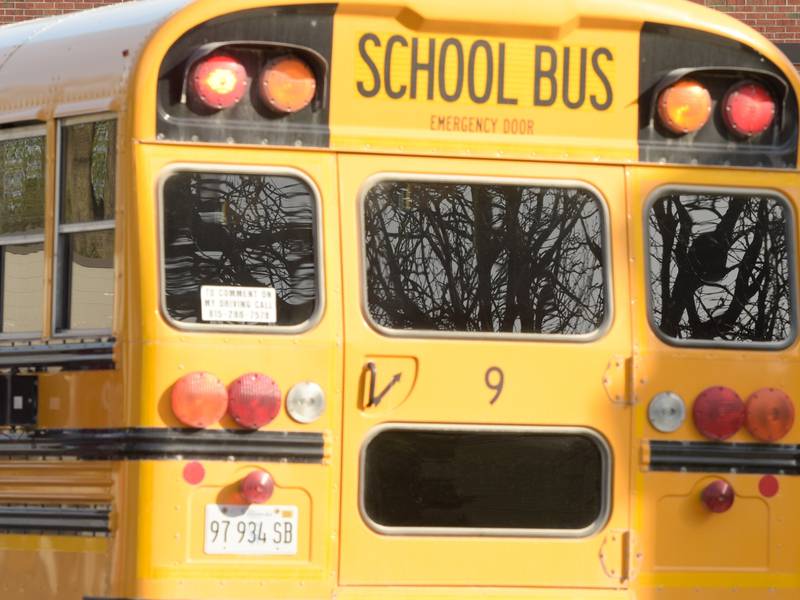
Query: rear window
(239, 249)
(485, 258)
(457, 479)
(720, 268)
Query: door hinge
(618, 380)
(620, 556)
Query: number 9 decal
(495, 380)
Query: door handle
(373, 399)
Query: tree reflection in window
(239, 230)
(484, 258)
(719, 267)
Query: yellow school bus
(411, 299)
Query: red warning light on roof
(748, 109)
(218, 82)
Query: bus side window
(85, 227)
(720, 268)
(22, 232)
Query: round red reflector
(194, 473)
(684, 107)
(255, 400)
(199, 399)
(769, 414)
(768, 486)
(257, 487)
(218, 82)
(287, 84)
(748, 109)
(718, 412)
(718, 496)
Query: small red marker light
(194, 473)
(768, 486)
(218, 82)
(257, 487)
(255, 400)
(199, 399)
(718, 496)
(769, 414)
(748, 109)
(718, 412)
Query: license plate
(250, 530)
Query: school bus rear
(477, 371)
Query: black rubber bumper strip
(783, 459)
(63, 520)
(163, 444)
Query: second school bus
(381, 300)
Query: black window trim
(16, 239)
(660, 192)
(602, 330)
(241, 169)
(606, 489)
(61, 294)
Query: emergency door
(487, 334)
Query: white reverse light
(666, 412)
(305, 402)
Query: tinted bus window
(86, 226)
(720, 267)
(480, 479)
(474, 257)
(240, 233)
(21, 235)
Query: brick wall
(779, 20)
(21, 10)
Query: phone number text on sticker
(250, 530)
(237, 304)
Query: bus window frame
(240, 169)
(588, 531)
(18, 239)
(59, 306)
(658, 193)
(600, 332)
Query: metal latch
(620, 556)
(618, 380)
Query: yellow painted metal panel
(749, 551)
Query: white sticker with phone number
(250, 530)
(235, 304)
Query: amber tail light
(199, 399)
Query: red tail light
(748, 109)
(769, 414)
(218, 82)
(257, 487)
(255, 400)
(718, 496)
(684, 107)
(199, 399)
(718, 413)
